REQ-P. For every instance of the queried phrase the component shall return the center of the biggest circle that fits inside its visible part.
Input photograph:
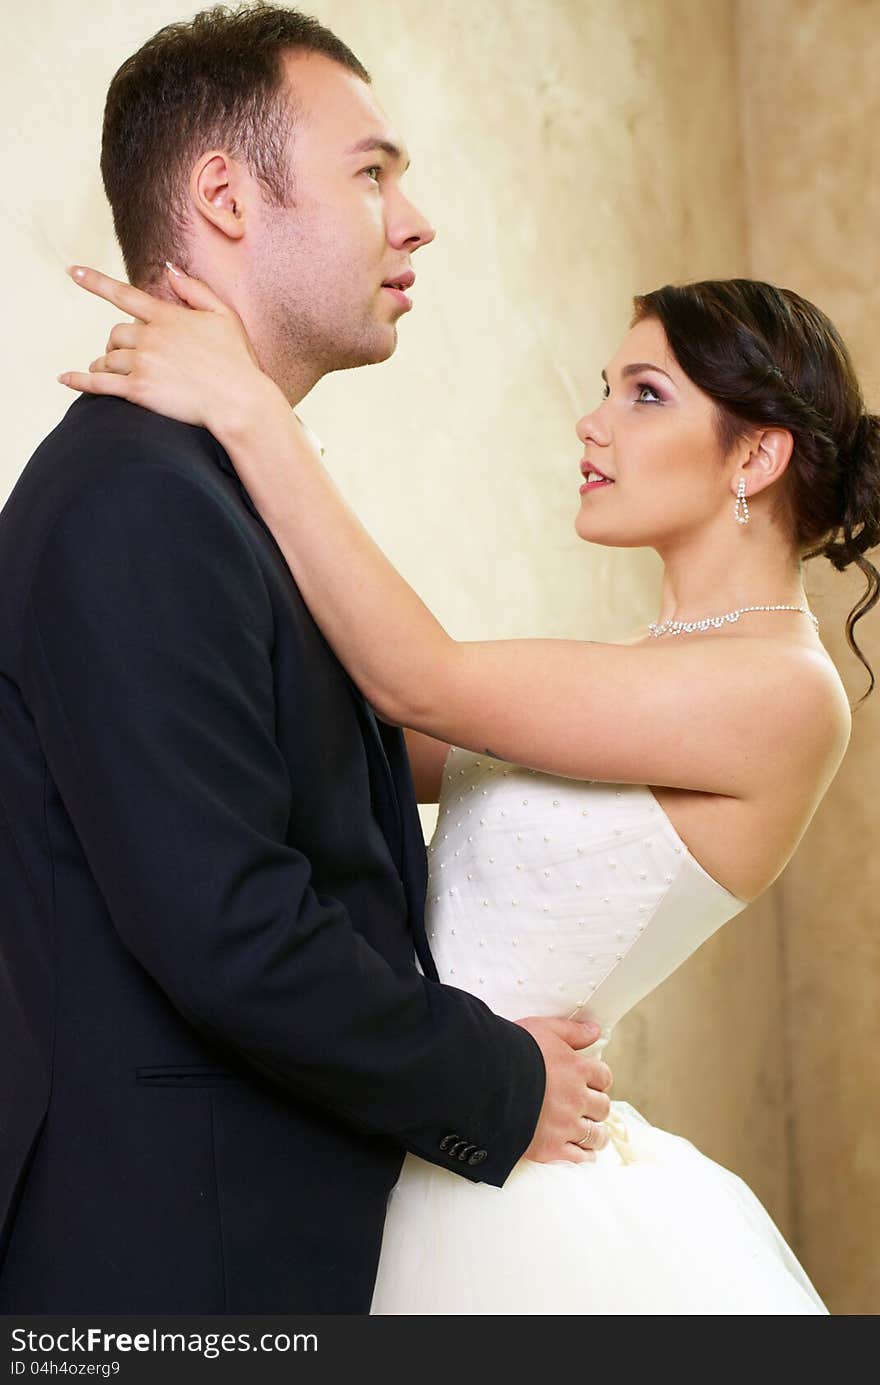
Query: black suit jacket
(216, 1042)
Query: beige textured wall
(811, 107)
(571, 153)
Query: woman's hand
(191, 360)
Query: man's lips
(397, 285)
(400, 281)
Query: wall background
(571, 153)
(810, 108)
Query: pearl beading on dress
(453, 1246)
(553, 887)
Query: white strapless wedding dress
(556, 897)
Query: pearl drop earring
(741, 505)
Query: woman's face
(654, 437)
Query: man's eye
(606, 391)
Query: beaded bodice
(552, 896)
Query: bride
(604, 808)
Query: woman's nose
(592, 428)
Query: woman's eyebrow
(636, 368)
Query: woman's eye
(373, 173)
(606, 391)
(648, 389)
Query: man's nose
(410, 230)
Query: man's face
(318, 270)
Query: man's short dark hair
(215, 81)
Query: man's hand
(575, 1095)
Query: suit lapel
(414, 862)
(386, 804)
(390, 778)
(390, 786)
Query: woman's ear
(218, 192)
(769, 455)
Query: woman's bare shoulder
(818, 691)
(794, 690)
(802, 724)
(818, 718)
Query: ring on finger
(588, 1133)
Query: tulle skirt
(652, 1227)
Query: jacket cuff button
(478, 1156)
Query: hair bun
(860, 477)
(860, 530)
(863, 449)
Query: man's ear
(218, 192)
(768, 457)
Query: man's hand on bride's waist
(575, 1096)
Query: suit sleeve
(147, 668)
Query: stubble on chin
(385, 348)
(309, 339)
(371, 345)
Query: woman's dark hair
(215, 81)
(768, 358)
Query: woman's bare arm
(715, 715)
(427, 756)
(710, 715)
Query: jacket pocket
(189, 1075)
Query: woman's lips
(599, 478)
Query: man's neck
(294, 377)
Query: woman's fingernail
(76, 271)
(174, 269)
(62, 379)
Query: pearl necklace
(678, 627)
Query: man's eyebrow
(385, 146)
(636, 368)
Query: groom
(217, 1041)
